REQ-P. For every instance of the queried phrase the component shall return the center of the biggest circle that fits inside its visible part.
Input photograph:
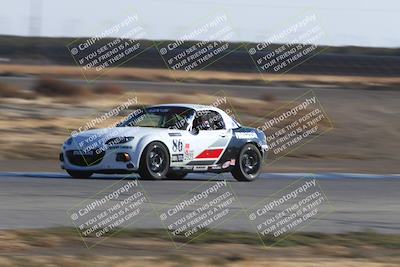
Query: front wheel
(79, 174)
(248, 165)
(154, 162)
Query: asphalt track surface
(360, 201)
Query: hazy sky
(347, 22)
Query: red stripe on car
(210, 153)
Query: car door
(207, 139)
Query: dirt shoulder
(63, 247)
(219, 77)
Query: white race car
(167, 142)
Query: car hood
(95, 138)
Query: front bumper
(108, 161)
(264, 149)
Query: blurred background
(45, 94)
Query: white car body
(206, 150)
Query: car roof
(229, 121)
(184, 105)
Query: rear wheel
(248, 165)
(154, 163)
(176, 175)
(79, 174)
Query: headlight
(119, 140)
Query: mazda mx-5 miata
(168, 142)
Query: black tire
(154, 162)
(176, 175)
(248, 164)
(79, 174)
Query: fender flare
(142, 144)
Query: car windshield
(160, 117)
